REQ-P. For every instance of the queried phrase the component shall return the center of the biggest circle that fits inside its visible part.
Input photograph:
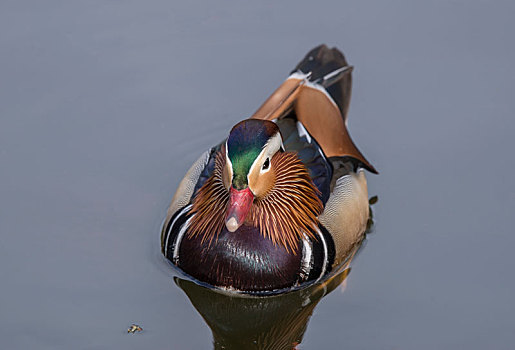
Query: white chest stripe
(185, 209)
(307, 253)
(324, 266)
(179, 238)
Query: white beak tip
(232, 224)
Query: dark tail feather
(330, 69)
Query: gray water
(105, 104)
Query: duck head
(248, 173)
(255, 182)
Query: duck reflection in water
(243, 321)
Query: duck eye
(266, 164)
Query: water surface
(105, 104)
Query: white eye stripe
(270, 148)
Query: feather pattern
(211, 205)
(283, 215)
(291, 207)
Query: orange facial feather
(287, 211)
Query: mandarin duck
(279, 202)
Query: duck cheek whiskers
(262, 184)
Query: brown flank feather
(288, 211)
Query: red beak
(239, 206)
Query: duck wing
(317, 93)
(296, 139)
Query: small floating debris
(134, 328)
